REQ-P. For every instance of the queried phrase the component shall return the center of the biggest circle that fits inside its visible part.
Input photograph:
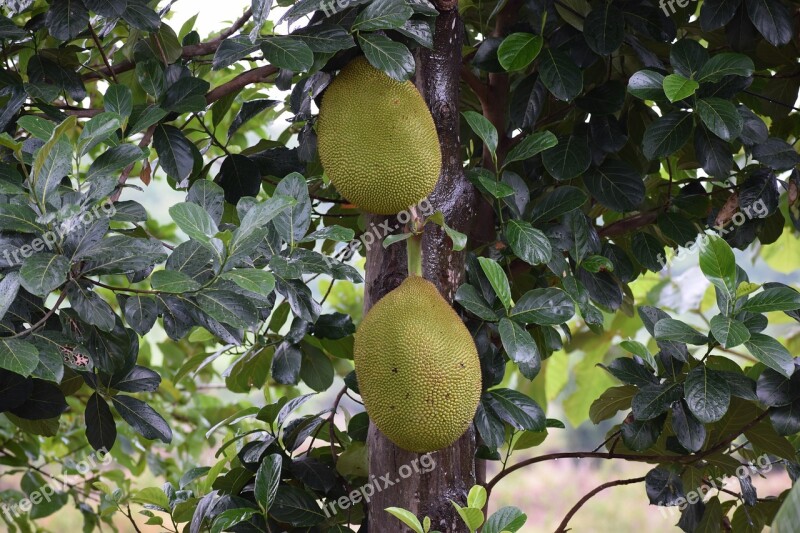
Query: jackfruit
(417, 368)
(377, 140)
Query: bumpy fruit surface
(417, 368)
(377, 140)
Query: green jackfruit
(417, 368)
(377, 140)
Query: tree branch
(563, 526)
(246, 78)
(189, 51)
(625, 225)
(627, 457)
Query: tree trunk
(428, 494)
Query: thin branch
(625, 225)
(188, 52)
(627, 457)
(242, 80)
(45, 318)
(331, 426)
(121, 289)
(126, 172)
(563, 526)
(99, 45)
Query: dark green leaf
(729, 332)
(726, 64)
(549, 306)
(267, 479)
(389, 56)
(616, 185)
(560, 74)
(772, 19)
(667, 134)
(605, 29)
(520, 347)
(66, 19)
(101, 431)
(18, 356)
(569, 158)
(707, 394)
(42, 273)
(669, 329)
(528, 243)
(288, 52)
(721, 117)
(382, 15)
(771, 352)
(142, 418)
(517, 409)
(174, 152)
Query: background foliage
(601, 136)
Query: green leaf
(113, 160)
(560, 74)
(483, 128)
(99, 128)
(66, 19)
(637, 348)
(773, 299)
(669, 329)
(228, 307)
(18, 356)
(725, 64)
(257, 281)
(175, 152)
(707, 394)
(728, 331)
(498, 280)
(142, 418)
(569, 158)
(9, 288)
(38, 127)
(118, 99)
(652, 400)
(152, 496)
(720, 117)
(232, 50)
(530, 146)
(771, 352)
(495, 188)
(666, 135)
(225, 520)
(20, 218)
(53, 161)
(548, 307)
(471, 299)
(476, 497)
(772, 19)
(676, 87)
(268, 478)
(788, 515)
(528, 243)
(288, 52)
(43, 273)
(517, 409)
(649, 251)
(610, 402)
(520, 347)
(382, 15)
(406, 517)
(150, 75)
(719, 265)
(173, 281)
(604, 29)
(473, 518)
(616, 185)
(194, 221)
(562, 200)
(387, 55)
(647, 85)
(505, 519)
(458, 238)
(518, 50)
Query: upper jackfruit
(377, 140)
(417, 368)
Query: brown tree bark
(429, 494)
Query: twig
(99, 45)
(331, 427)
(126, 172)
(242, 80)
(563, 526)
(45, 318)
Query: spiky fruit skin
(417, 367)
(377, 140)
